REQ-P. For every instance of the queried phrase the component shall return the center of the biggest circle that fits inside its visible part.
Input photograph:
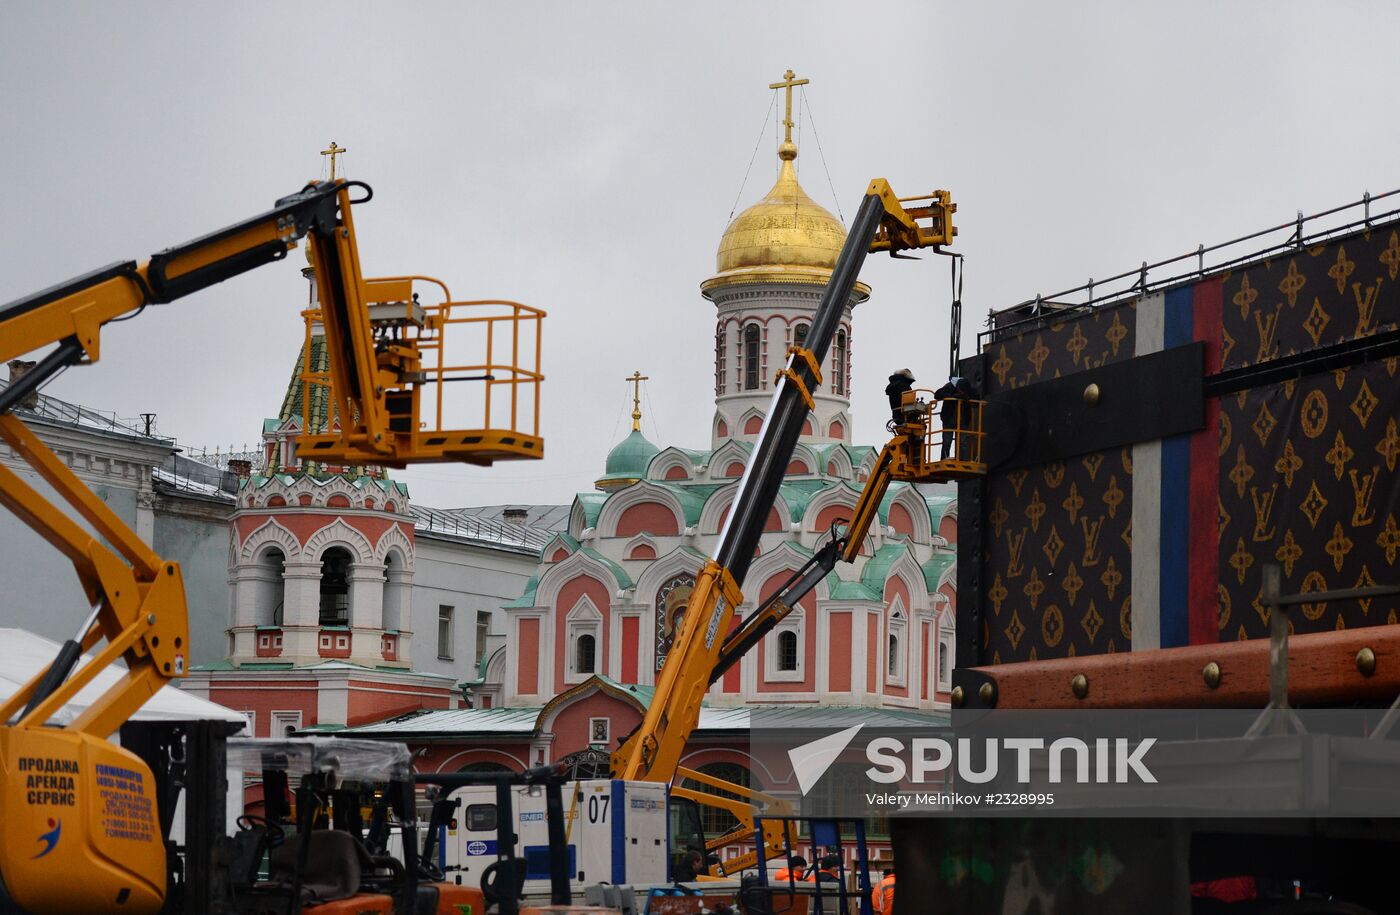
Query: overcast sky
(585, 157)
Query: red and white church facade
(585, 640)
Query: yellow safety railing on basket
(429, 358)
(943, 439)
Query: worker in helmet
(957, 411)
(901, 383)
(794, 872)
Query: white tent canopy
(23, 654)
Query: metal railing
(1101, 293)
(473, 527)
(508, 337)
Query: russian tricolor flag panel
(1175, 537)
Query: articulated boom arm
(703, 642)
(138, 599)
(911, 456)
(55, 779)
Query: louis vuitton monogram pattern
(1062, 347)
(1058, 559)
(1310, 479)
(1342, 290)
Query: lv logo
(1263, 512)
(1366, 305)
(1091, 532)
(1015, 543)
(1363, 489)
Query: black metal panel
(1144, 398)
(970, 548)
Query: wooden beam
(1324, 668)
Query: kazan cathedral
(583, 644)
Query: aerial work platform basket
(457, 380)
(945, 438)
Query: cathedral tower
(774, 260)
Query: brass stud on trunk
(1211, 674)
(958, 697)
(1366, 662)
(988, 694)
(1079, 686)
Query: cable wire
(762, 127)
(818, 137)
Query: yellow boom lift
(79, 813)
(703, 648)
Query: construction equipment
(699, 654)
(488, 807)
(73, 803)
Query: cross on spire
(637, 378)
(787, 83)
(333, 151)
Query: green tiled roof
(839, 589)
(692, 502)
(623, 579)
(885, 503)
(592, 504)
(878, 567)
(528, 598)
(643, 693)
(565, 539)
(294, 399)
(938, 506)
(630, 456)
(935, 567)
(481, 667)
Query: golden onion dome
(785, 237)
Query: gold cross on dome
(333, 152)
(787, 83)
(637, 378)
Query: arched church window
(799, 335)
(335, 587)
(787, 650)
(395, 591)
(716, 821)
(893, 660)
(271, 564)
(719, 361)
(751, 358)
(585, 652)
(838, 382)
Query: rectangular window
(782, 660)
(444, 632)
(787, 650)
(483, 629)
(751, 357)
(719, 361)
